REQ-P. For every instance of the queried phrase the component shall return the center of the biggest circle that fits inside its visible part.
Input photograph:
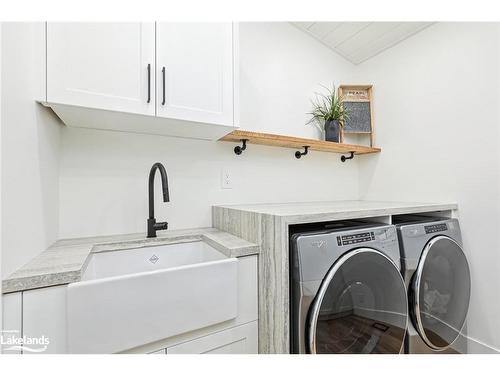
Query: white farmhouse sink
(132, 297)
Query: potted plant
(328, 112)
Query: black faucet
(153, 226)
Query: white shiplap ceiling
(358, 41)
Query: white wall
(281, 68)
(1, 236)
(30, 148)
(437, 99)
(103, 175)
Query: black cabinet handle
(163, 76)
(149, 83)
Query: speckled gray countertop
(65, 261)
(304, 212)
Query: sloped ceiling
(358, 41)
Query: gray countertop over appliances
(301, 212)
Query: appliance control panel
(436, 228)
(350, 239)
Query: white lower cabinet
(237, 340)
(44, 319)
(12, 325)
(40, 315)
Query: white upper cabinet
(178, 79)
(102, 65)
(195, 70)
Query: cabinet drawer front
(195, 71)
(238, 340)
(102, 65)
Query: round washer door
(440, 292)
(361, 306)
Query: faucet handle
(153, 226)
(161, 226)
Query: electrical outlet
(226, 179)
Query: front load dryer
(347, 292)
(437, 276)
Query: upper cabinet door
(102, 65)
(195, 72)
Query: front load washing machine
(347, 292)
(437, 277)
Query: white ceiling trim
(359, 41)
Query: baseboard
(475, 346)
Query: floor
(355, 334)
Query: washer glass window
(361, 306)
(441, 292)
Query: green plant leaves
(327, 107)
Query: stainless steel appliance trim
(416, 288)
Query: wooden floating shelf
(295, 142)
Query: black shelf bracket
(343, 158)
(238, 150)
(299, 154)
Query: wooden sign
(357, 102)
